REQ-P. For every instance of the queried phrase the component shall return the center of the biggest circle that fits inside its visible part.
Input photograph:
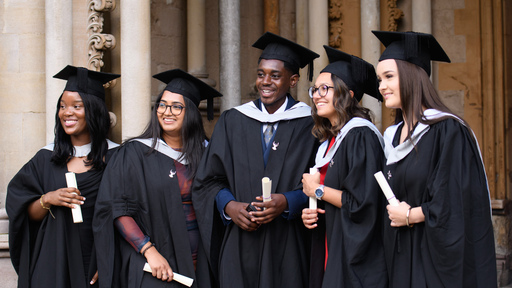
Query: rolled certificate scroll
(266, 186)
(312, 200)
(187, 281)
(77, 211)
(390, 196)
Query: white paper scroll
(187, 281)
(390, 196)
(266, 186)
(312, 200)
(77, 211)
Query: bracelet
(147, 248)
(44, 207)
(41, 202)
(407, 218)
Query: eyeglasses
(176, 109)
(322, 90)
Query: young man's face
(273, 82)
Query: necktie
(268, 133)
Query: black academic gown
(354, 239)
(53, 252)
(454, 247)
(276, 254)
(140, 185)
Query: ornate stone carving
(98, 42)
(393, 15)
(335, 23)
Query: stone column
(196, 41)
(271, 15)
(318, 34)
(422, 16)
(301, 20)
(58, 54)
(229, 36)
(422, 22)
(135, 66)
(370, 46)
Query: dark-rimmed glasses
(322, 90)
(176, 109)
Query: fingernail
(92, 282)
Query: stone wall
(22, 78)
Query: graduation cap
(414, 47)
(180, 82)
(279, 48)
(86, 81)
(358, 74)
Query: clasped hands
(267, 211)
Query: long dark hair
(98, 125)
(192, 133)
(346, 106)
(416, 92)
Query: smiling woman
(347, 239)
(72, 117)
(149, 179)
(39, 192)
(171, 120)
(441, 233)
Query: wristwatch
(319, 192)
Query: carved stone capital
(394, 14)
(102, 5)
(335, 23)
(98, 42)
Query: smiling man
(269, 137)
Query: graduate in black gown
(47, 248)
(441, 234)
(352, 151)
(263, 248)
(144, 212)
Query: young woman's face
(72, 117)
(325, 104)
(171, 112)
(389, 83)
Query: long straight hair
(98, 125)
(346, 106)
(192, 134)
(417, 92)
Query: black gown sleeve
(356, 255)
(23, 189)
(458, 222)
(210, 179)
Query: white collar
(281, 109)
(321, 160)
(165, 149)
(299, 110)
(81, 151)
(395, 154)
